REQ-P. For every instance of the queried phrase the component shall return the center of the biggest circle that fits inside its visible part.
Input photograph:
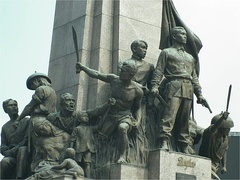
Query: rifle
(147, 91)
(162, 100)
(205, 104)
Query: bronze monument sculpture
(14, 144)
(76, 124)
(128, 97)
(42, 103)
(70, 143)
(215, 140)
(43, 100)
(73, 144)
(177, 68)
(143, 76)
(71, 166)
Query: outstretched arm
(93, 73)
(60, 166)
(28, 109)
(101, 109)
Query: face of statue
(35, 83)
(140, 51)
(180, 36)
(125, 74)
(69, 103)
(12, 107)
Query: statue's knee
(7, 162)
(123, 128)
(22, 154)
(22, 150)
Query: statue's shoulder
(167, 51)
(5, 126)
(45, 89)
(25, 121)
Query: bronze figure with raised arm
(215, 142)
(126, 112)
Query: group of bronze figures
(149, 108)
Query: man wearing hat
(215, 142)
(43, 102)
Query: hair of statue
(53, 128)
(70, 152)
(176, 30)
(63, 96)
(130, 67)
(137, 43)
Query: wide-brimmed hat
(30, 79)
(228, 123)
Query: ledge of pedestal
(128, 171)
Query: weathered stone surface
(166, 165)
(127, 171)
(105, 30)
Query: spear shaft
(228, 98)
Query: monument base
(162, 165)
(174, 165)
(128, 171)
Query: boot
(185, 148)
(164, 144)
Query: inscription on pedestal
(186, 162)
(181, 176)
(172, 165)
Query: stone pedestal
(165, 165)
(127, 171)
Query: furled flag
(170, 19)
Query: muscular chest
(123, 93)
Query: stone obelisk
(105, 31)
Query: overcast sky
(25, 42)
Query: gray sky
(25, 42)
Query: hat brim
(33, 76)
